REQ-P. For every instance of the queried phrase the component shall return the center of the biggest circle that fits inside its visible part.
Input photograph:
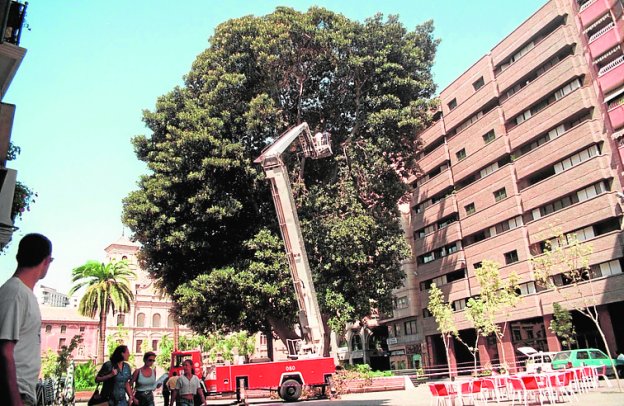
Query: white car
(537, 361)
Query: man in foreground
(20, 323)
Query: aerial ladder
(306, 365)
(314, 147)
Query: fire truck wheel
(290, 390)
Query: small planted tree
(566, 259)
(496, 298)
(561, 325)
(443, 315)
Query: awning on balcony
(618, 134)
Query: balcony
(552, 115)
(566, 182)
(543, 51)
(472, 141)
(433, 159)
(593, 10)
(450, 291)
(435, 212)
(555, 150)
(611, 290)
(438, 238)
(406, 339)
(472, 105)
(611, 76)
(573, 217)
(445, 264)
(476, 191)
(605, 39)
(549, 82)
(521, 35)
(493, 248)
(433, 133)
(489, 216)
(616, 113)
(434, 186)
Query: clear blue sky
(93, 66)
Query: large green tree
(107, 289)
(204, 204)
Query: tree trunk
(103, 315)
(283, 330)
(604, 340)
(269, 336)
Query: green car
(584, 357)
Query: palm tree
(108, 288)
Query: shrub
(84, 376)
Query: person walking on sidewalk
(144, 380)
(187, 386)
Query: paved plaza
(420, 396)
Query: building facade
(148, 319)
(528, 141)
(60, 324)
(12, 14)
(51, 297)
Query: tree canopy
(204, 214)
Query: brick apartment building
(529, 138)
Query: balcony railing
(616, 103)
(600, 33)
(586, 4)
(611, 65)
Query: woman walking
(115, 374)
(144, 380)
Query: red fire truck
(306, 365)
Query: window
(470, 209)
(410, 327)
(48, 328)
(452, 104)
(511, 257)
(426, 313)
(63, 329)
(458, 305)
(82, 329)
(477, 265)
(156, 320)
(582, 355)
(263, 341)
(356, 342)
(489, 137)
(141, 320)
(61, 343)
(154, 345)
(401, 302)
(478, 84)
(488, 169)
(170, 321)
(121, 319)
(461, 154)
(137, 347)
(500, 194)
(526, 288)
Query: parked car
(540, 362)
(584, 357)
(537, 361)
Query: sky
(92, 67)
